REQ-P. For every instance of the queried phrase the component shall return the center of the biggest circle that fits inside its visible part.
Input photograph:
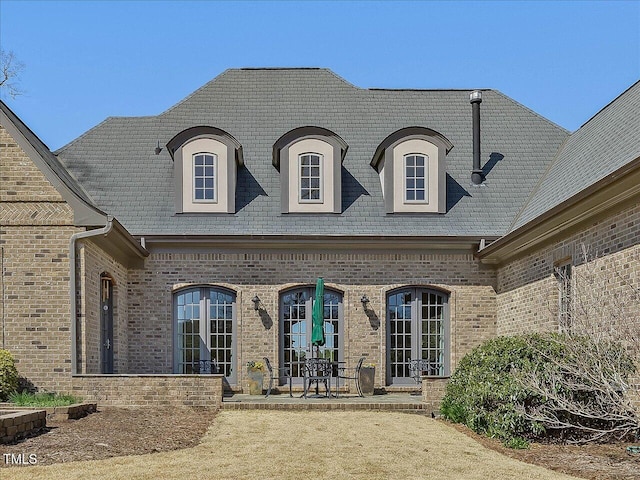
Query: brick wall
(150, 390)
(433, 391)
(472, 299)
(92, 262)
(35, 227)
(527, 297)
(602, 286)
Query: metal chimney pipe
(475, 98)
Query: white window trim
(215, 178)
(321, 178)
(425, 178)
(225, 174)
(329, 180)
(434, 187)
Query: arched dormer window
(411, 165)
(206, 161)
(310, 163)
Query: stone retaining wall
(67, 412)
(15, 424)
(150, 390)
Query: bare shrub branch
(10, 69)
(587, 389)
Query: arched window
(296, 307)
(205, 329)
(309, 160)
(416, 167)
(206, 162)
(310, 181)
(411, 166)
(204, 177)
(417, 328)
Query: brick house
(437, 220)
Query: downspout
(72, 285)
(4, 303)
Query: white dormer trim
(325, 204)
(227, 153)
(207, 146)
(400, 153)
(389, 160)
(287, 153)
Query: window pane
(204, 174)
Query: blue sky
(85, 61)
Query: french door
(296, 308)
(417, 328)
(205, 329)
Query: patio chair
(317, 370)
(206, 367)
(346, 373)
(416, 370)
(283, 372)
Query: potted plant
(255, 374)
(367, 378)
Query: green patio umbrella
(317, 333)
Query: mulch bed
(115, 432)
(608, 461)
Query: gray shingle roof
(116, 164)
(605, 143)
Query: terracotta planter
(367, 380)
(256, 378)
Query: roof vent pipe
(477, 176)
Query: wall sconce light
(256, 303)
(158, 148)
(364, 300)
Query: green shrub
(485, 394)
(8, 375)
(562, 387)
(42, 399)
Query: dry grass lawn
(262, 445)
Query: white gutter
(72, 284)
